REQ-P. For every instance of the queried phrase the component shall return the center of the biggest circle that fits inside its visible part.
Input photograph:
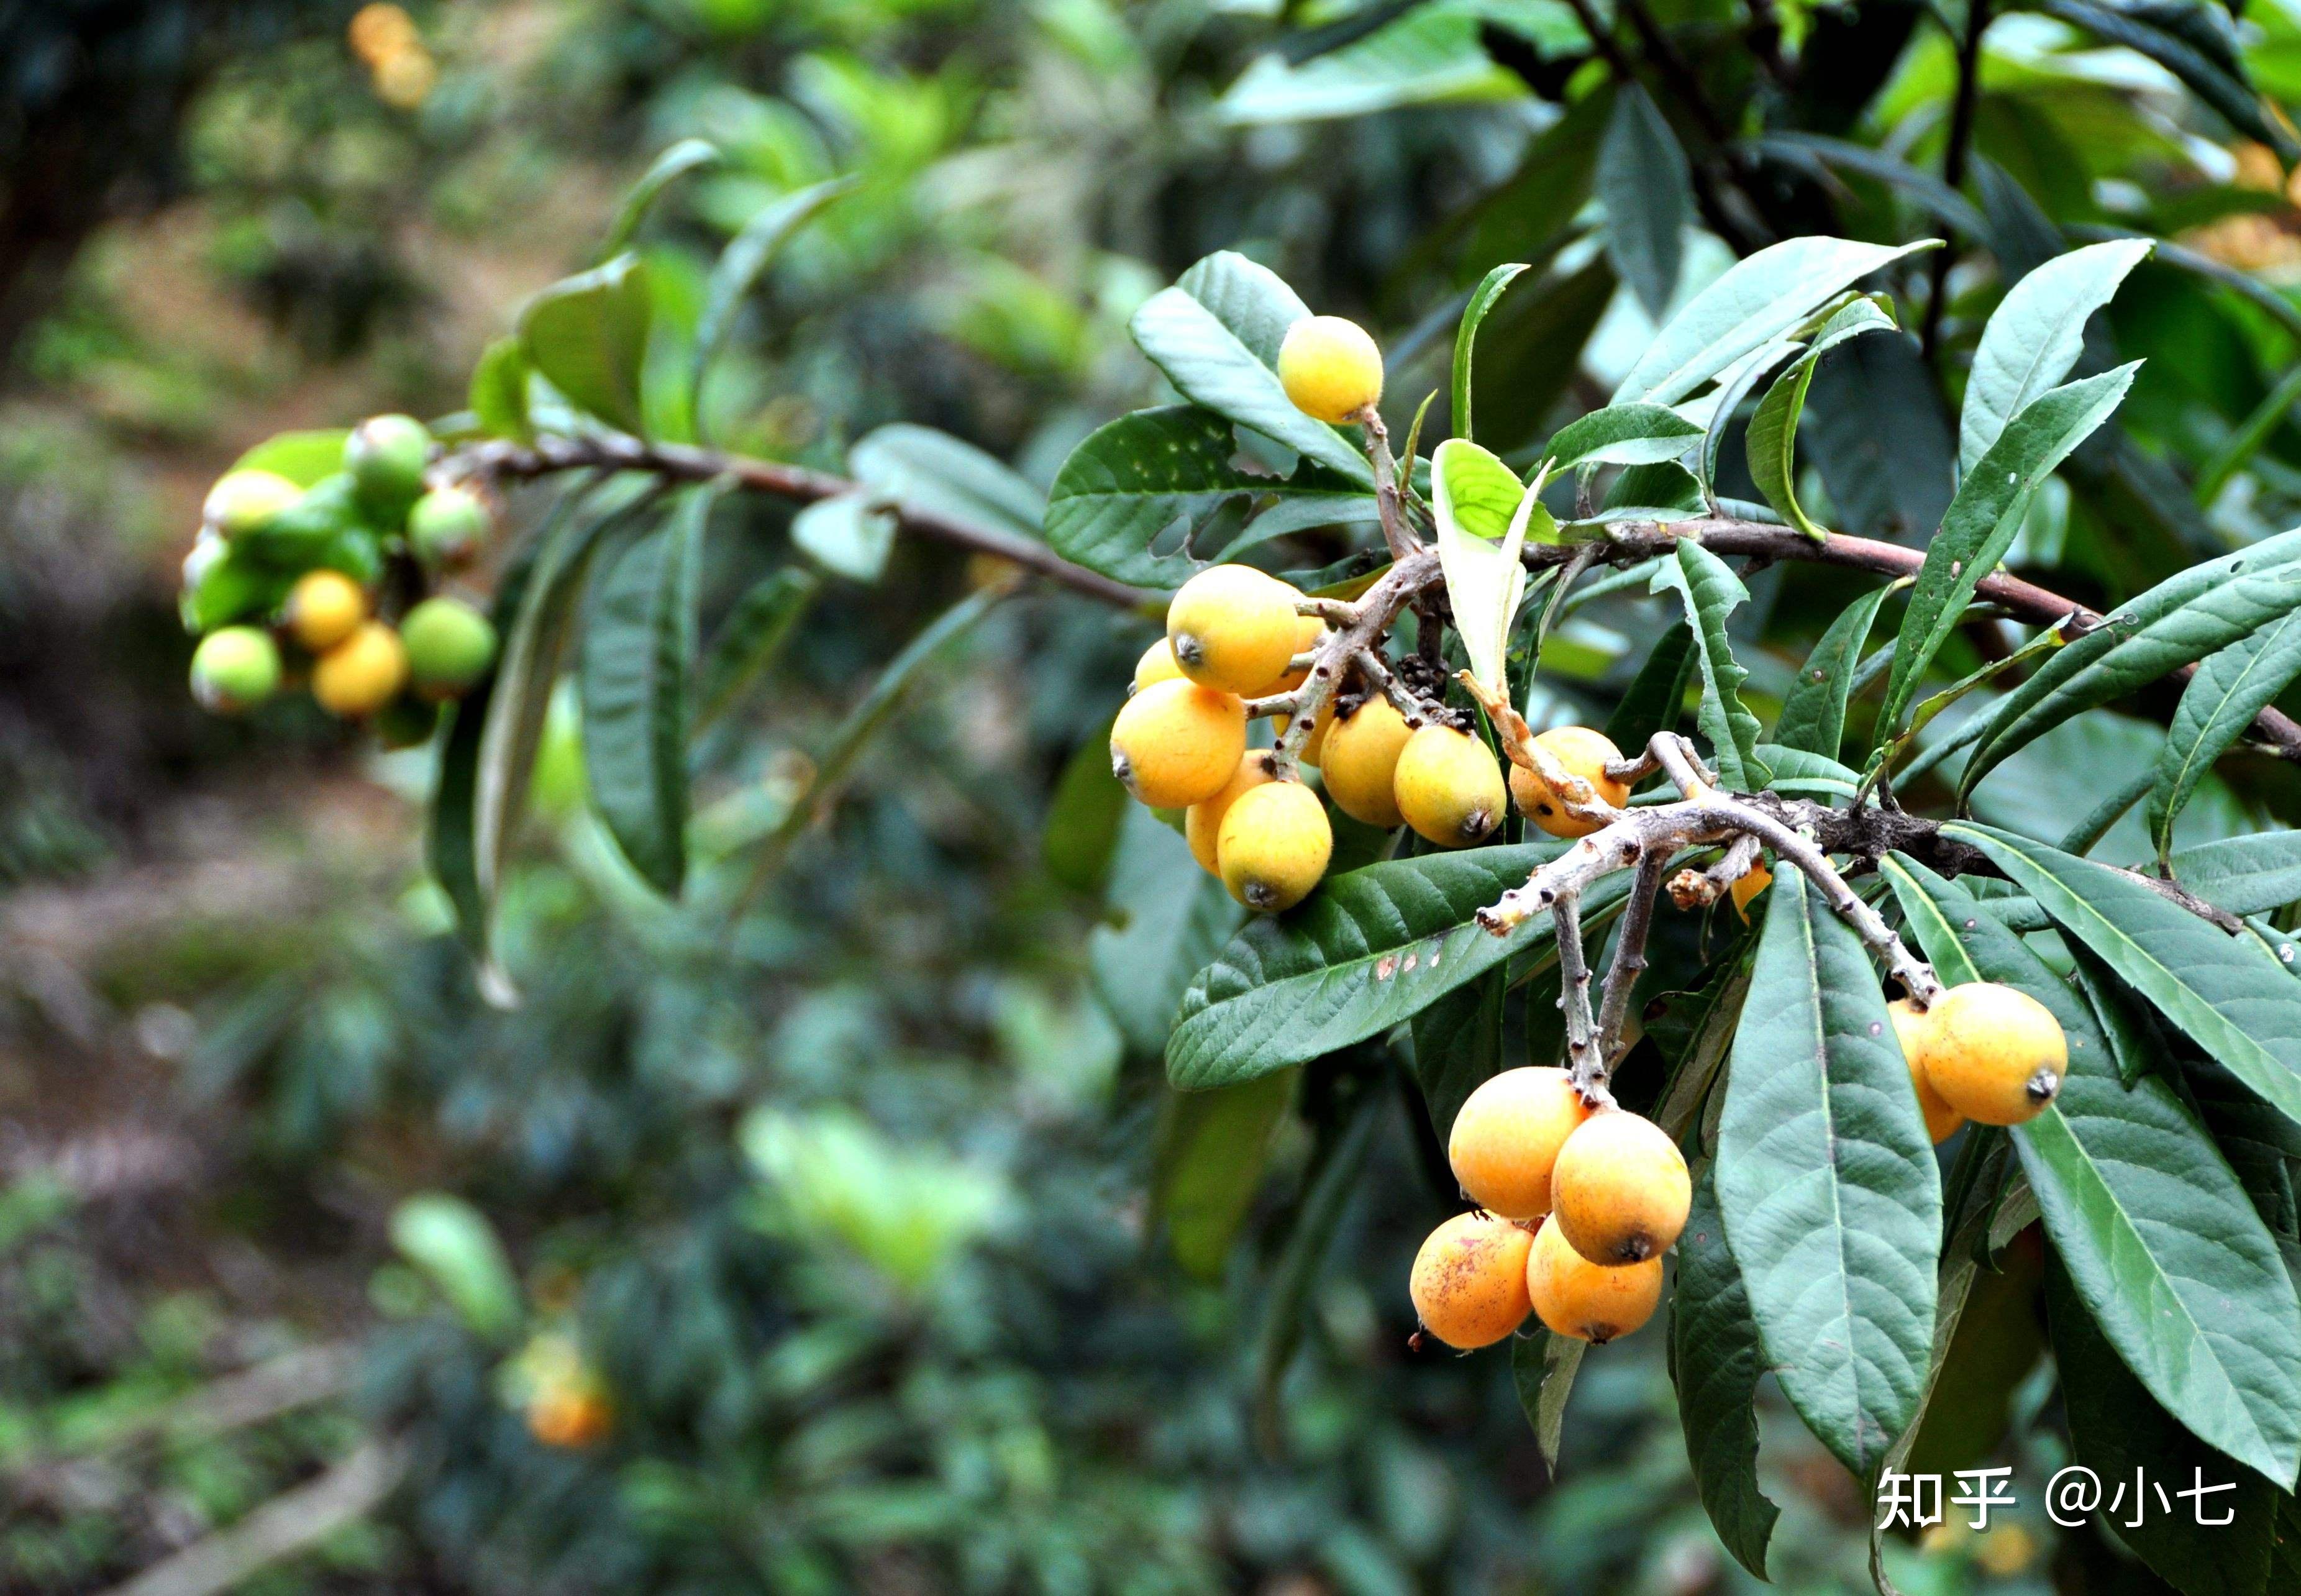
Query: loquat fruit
(1175, 743)
(569, 1416)
(243, 501)
(235, 668)
(1360, 762)
(1233, 627)
(324, 608)
(1507, 1135)
(1469, 1280)
(1590, 1302)
(1202, 823)
(1308, 631)
(386, 455)
(1913, 1028)
(1330, 368)
(445, 526)
(363, 673)
(1584, 753)
(1996, 1055)
(450, 646)
(1274, 845)
(1156, 666)
(1620, 1190)
(1449, 787)
(1746, 888)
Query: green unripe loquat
(1330, 368)
(235, 669)
(1176, 743)
(324, 608)
(445, 526)
(450, 646)
(243, 501)
(1448, 786)
(1274, 846)
(386, 455)
(363, 673)
(1233, 628)
(1360, 762)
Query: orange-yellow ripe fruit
(1330, 368)
(1996, 1055)
(1746, 888)
(1469, 1280)
(1507, 1135)
(1590, 1302)
(1156, 666)
(1308, 631)
(569, 1416)
(1360, 762)
(1233, 627)
(325, 608)
(363, 673)
(1175, 743)
(1449, 787)
(1584, 753)
(1620, 1190)
(1202, 823)
(1913, 1028)
(1274, 846)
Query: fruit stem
(1402, 542)
(1585, 1063)
(1359, 631)
(1629, 959)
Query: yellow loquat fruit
(1360, 762)
(1913, 1028)
(1507, 1135)
(1469, 1280)
(1449, 787)
(1330, 368)
(1584, 753)
(1175, 743)
(1996, 1055)
(1233, 627)
(1274, 845)
(1620, 1190)
(1590, 1302)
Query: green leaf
(1212, 1148)
(2217, 706)
(752, 637)
(675, 163)
(638, 637)
(1543, 1367)
(736, 272)
(1716, 1364)
(1756, 300)
(1656, 696)
(1983, 519)
(1813, 711)
(1368, 950)
(2227, 993)
(2182, 619)
(1169, 918)
(2118, 1430)
(1876, 431)
(305, 458)
(2035, 337)
(498, 391)
(1428, 56)
(1711, 592)
(1490, 287)
(1484, 515)
(1814, 153)
(1084, 816)
(931, 470)
(1131, 479)
(1738, 385)
(2165, 1248)
(1633, 434)
(1648, 192)
(2196, 43)
(1216, 334)
(849, 535)
(1770, 443)
(2246, 876)
(454, 1246)
(1826, 1180)
(1456, 1045)
(586, 335)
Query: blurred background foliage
(817, 1249)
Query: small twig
(1629, 960)
(1410, 705)
(1585, 1063)
(1961, 140)
(1402, 543)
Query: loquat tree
(1710, 980)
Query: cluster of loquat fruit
(288, 581)
(1578, 1202)
(1236, 634)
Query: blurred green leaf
(458, 1252)
(1644, 181)
(689, 155)
(587, 336)
(1212, 1146)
